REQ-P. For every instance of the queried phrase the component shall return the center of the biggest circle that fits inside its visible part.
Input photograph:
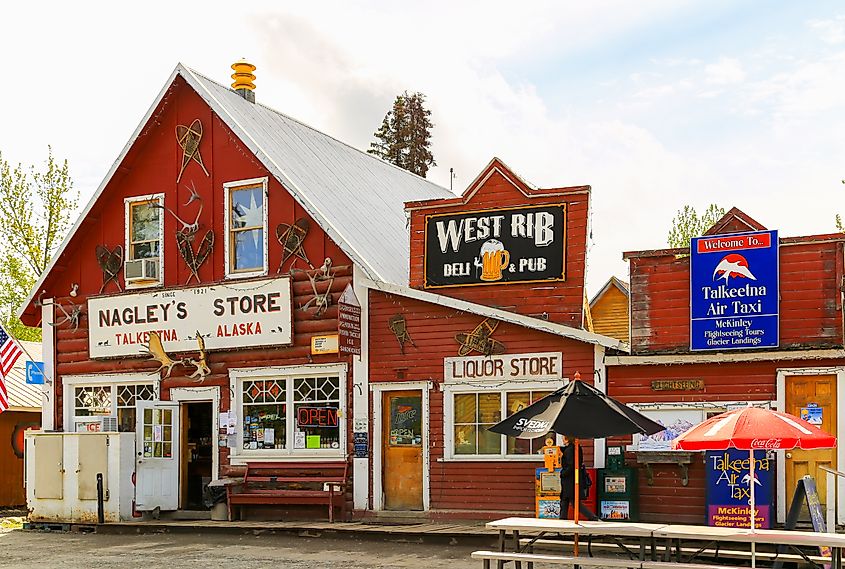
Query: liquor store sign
(234, 315)
(541, 366)
(506, 246)
(734, 291)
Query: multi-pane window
(265, 414)
(246, 225)
(157, 437)
(473, 413)
(104, 400)
(144, 239)
(144, 229)
(292, 414)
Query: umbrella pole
(577, 492)
(753, 485)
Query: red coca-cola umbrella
(752, 428)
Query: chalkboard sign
(805, 494)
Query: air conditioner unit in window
(136, 270)
(108, 424)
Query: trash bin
(214, 497)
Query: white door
(157, 452)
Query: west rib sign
(496, 246)
(734, 291)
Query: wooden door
(805, 392)
(402, 449)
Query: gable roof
(22, 395)
(735, 221)
(356, 198)
(623, 287)
(495, 166)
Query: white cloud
(725, 71)
(830, 31)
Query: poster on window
(676, 423)
(231, 315)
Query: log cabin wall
(151, 167)
(495, 188)
(470, 488)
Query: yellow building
(609, 310)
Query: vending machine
(617, 488)
(547, 483)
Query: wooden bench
(295, 483)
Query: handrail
(832, 471)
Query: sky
(655, 104)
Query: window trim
(127, 207)
(71, 382)
(228, 187)
(452, 389)
(237, 376)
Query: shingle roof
(21, 394)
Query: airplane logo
(733, 265)
(747, 480)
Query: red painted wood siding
(152, 167)
(668, 500)
(462, 485)
(561, 301)
(811, 275)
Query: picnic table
(525, 532)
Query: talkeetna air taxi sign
(498, 246)
(734, 291)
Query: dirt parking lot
(47, 550)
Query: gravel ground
(46, 550)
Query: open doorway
(197, 452)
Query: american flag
(10, 351)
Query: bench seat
(285, 481)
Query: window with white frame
(296, 414)
(246, 227)
(144, 241)
(470, 414)
(109, 400)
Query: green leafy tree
(36, 206)
(404, 137)
(688, 223)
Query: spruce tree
(404, 138)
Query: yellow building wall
(610, 315)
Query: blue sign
(35, 372)
(729, 487)
(734, 291)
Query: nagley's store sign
(509, 245)
(234, 315)
(734, 291)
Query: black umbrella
(579, 411)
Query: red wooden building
(221, 242)
(665, 378)
(492, 320)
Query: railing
(831, 496)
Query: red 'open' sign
(316, 417)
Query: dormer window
(144, 231)
(246, 228)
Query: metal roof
(358, 199)
(21, 394)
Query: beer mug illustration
(494, 258)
